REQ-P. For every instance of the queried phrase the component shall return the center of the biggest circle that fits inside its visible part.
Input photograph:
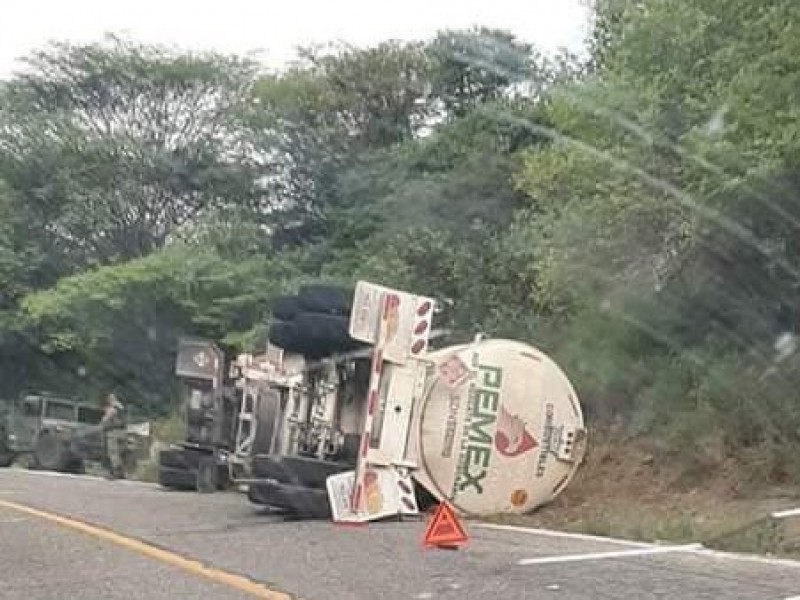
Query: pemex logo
(511, 438)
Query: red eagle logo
(511, 438)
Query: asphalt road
(41, 558)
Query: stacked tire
(313, 323)
(191, 469)
(177, 469)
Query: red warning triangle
(444, 530)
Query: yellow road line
(231, 580)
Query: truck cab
(200, 461)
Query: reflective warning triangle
(444, 530)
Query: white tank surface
(500, 429)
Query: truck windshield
(63, 411)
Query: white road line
(56, 474)
(546, 560)
(80, 477)
(782, 562)
(777, 562)
(795, 512)
(793, 598)
(565, 534)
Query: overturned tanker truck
(352, 414)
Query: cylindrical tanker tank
(499, 430)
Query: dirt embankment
(628, 488)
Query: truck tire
(327, 330)
(51, 453)
(76, 467)
(326, 299)
(6, 458)
(171, 458)
(285, 308)
(302, 502)
(287, 336)
(297, 470)
(314, 335)
(177, 479)
(179, 458)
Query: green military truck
(57, 433)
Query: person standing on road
(113, 430)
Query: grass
(626, 488)
(165, 431)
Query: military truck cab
(58, 433)
(40, 426)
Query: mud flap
(387, 493)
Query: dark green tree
(112, 149)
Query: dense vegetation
(635, 214)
